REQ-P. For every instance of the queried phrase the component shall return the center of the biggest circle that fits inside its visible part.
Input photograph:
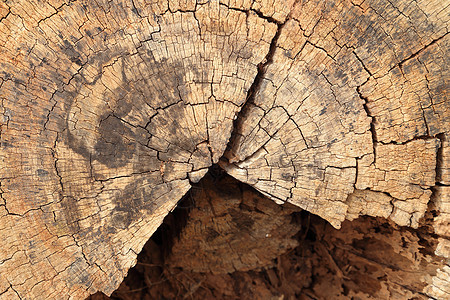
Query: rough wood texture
(232, 228)
(109, 109)
(368, 258)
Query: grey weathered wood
(108, 109)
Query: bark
(110, 111)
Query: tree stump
(225, 240)
(111, 110)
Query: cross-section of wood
(405, 172)
(337, 90)
(110, 109)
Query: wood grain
(108, 110)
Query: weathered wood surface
(232, 228)
(225, 240)
(109, 109)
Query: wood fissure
(111, 111)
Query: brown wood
(225, 240)
(109, 110)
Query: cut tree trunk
(225, 240)
(111, 110)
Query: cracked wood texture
(110, 109)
